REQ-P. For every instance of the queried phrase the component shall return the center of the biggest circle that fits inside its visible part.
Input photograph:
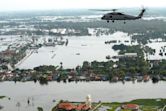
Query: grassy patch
(149, 102)
(145, 104)
(1, 97)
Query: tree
(39, 108)
(86, 65)
(121, 73)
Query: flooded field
(43, 95)
(78, 50)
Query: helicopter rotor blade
(104, 10)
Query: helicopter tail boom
(141, 14)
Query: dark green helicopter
(120, 16)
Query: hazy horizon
(28, 5)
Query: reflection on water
(43, 95)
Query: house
(81, 78)
(49, 42)
(82, 107)
(139, 78)
(146, 78)
(115, 79)
(49, 78)
(126, 55)
(66, 106)
(133, 107)
(130, 55)
(55, 76)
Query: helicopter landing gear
(113, 21)
(108, 21)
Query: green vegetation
(54, 109)
(1, 97)
(144, 104)
(125, 66)
(45, 69)
(149, 102)
(132, 65)
(159, 68)
(39, 108)
(107, 70)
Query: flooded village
(18, 49)
(52, 62)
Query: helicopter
(120, 16)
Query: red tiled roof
(130, 106)
(82, 107)
(70, 106)
(66, 106)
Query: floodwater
(79, 49)
(43, 95)
(160, 47)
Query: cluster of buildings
(64, 31)
(14, 48)
(56, 75)
(14, 52)
(87, 106)
(51, 41)
(16, 76)
(68, 106)
(86, 76)
(68, 75)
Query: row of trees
(127, 66)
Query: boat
(77, 53)
(83, 45)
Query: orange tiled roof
(82, 107)
(66, 106)
(130, 106)
(70, 106)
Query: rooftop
(69, 106)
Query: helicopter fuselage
(118, 16)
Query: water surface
(43, 95)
